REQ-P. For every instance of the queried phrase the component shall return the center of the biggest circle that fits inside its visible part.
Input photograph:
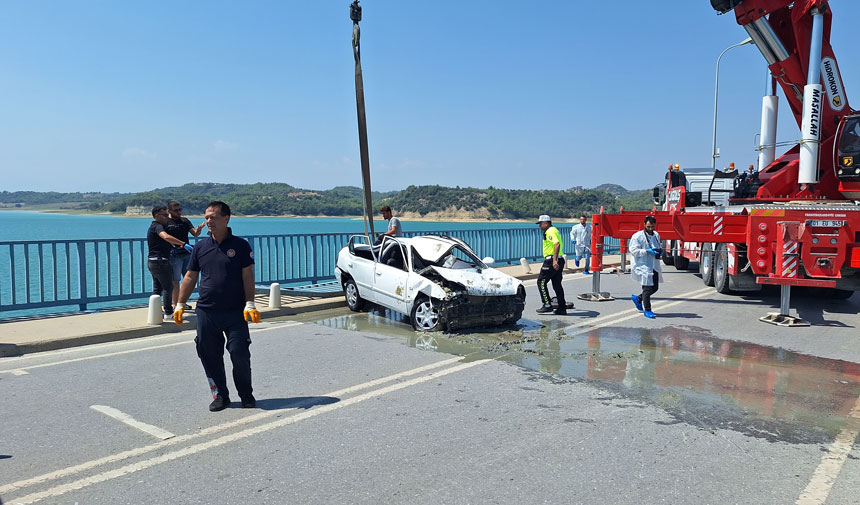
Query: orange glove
(252, 315)
(178, 312)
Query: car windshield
(459, 257)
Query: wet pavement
(695, 377)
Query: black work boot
(249, 402)
(544, 309)
(219, 403)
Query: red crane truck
(794, 221)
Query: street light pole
(714, 154)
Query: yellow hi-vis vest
(551, 237)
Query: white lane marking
(122, 417)
(194, 449)
(696, 293)
(65, 472)
(825, 475)
(19, 372)
(657, 306)
(16, 371)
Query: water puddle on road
(697, 378)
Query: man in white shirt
(394, 228)
(646, 249)
(580, 234)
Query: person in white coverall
(646, 249)
(580, 235)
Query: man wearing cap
(553, 265)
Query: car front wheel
(425, 316)
(353, 300)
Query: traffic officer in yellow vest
(552, 268)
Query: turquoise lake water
(26, 225)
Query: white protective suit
(581, 236)
(644, 264)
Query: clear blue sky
(121, 96)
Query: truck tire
(668, 259)
(353, 300)
(721, 269)
(681, 262)
(706, 264)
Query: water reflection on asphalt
(708, 382)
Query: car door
(360, 264)
(389, 282)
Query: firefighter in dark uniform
(552, 268)
(224, 264)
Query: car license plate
(825, 223)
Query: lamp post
(714, 154)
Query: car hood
(487, 282)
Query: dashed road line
(194, 449)
(122, 417)
(72, 470)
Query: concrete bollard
(525, 264)
(154, 315)
(275, 296)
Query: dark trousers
(547, 274)
(162, 282)
(647, 291)
(212, 326)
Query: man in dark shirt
(179, 227)
(160, 243)
(224, 264)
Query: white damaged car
(438, 281)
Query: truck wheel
(681, 262)
(668, 259)
(706, 264)
(721, 269)
(425, 316)
(353, 300)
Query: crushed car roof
(432, 247)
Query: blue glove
(188, 247)
(576, 260)
(652, 251)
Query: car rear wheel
(425, 316)
(353, 300)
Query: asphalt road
(704, 405)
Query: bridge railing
(70, 275)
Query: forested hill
(275, 199)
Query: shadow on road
(298, 402)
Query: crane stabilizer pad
(603, 296)
(783, 320)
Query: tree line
(275, 199)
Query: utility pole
(355, 15)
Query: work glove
(188, 247)
(178, 313)
(252, 315)
(653, 251)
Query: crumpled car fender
(419, 285)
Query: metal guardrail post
(82, 275)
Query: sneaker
(219, 403)
(544, 309)
(560, 312)
(168, 317)
(587, 272)
(649, 314)
(249, 402)
(636, 302)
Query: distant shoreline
(410, 218)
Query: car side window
(392, 255)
